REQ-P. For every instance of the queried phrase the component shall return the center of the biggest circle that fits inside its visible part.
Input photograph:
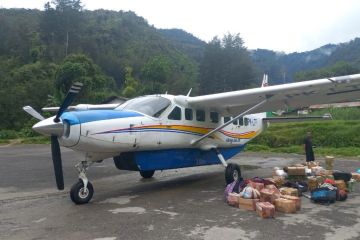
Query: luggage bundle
(323, 195)
(282, 192)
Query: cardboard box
(248, 204)
(279, 181)
(268, 195)
(289, 191)
(340, 184)
(233, 199)
(296, 171)
(265, 209)
(356, 176)
(312, 164)
(285, 205)
(320, 179)
(312, 183)
(296, 200)
(272, 188)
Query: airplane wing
(82, 107)
(292, 95)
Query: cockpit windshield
(149, 105)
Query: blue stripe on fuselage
(181, 158)
(96, 115)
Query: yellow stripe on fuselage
(201, 130)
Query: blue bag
(323, 195)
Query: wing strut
(193, 142)
(221, 157)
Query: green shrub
(8, 134)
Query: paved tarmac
(176, 204)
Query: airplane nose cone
(49, 127)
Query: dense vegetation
(337, 137)
(119, 53)
(113, 53)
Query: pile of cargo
(282, 192)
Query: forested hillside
(118, 53)
(331, 59)
(112, 53)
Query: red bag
(330, 181)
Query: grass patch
(36, 140)
(319, 151)
(336, 137)
(333, 134)
(4, 141)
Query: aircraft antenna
(188, 94)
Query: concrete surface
(176, 204)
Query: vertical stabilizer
(265, 81)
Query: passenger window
(241, 121)
(246, 120)
(235, 122)
(188, 114)
(200, 115)
(255, 122)
(175, 114)
(214, 117)
(226, 119)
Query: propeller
(56, 157)
(74, 90)
(33, 113)
(55, 128)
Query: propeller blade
(33, 113)
(56, 157)
(74, 90)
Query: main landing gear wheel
(232, 173)
(81, 195)
(147, 174)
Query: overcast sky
(282, 25)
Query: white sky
(282, 25)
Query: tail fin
(265, 81)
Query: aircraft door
(130, 136)
(147, 133)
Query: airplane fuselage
(101, 134)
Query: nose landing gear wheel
(81, 195)
(232, 173)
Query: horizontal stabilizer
(297, 119)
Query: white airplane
(159, 132)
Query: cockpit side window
(175, 114)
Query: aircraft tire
(147, 174)
(232, 173)
(77, 194)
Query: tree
(61, 26)
(80, 68)
(156, 72)
(340, 68)
(226, 65)
(21, 86)
(132, 87)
